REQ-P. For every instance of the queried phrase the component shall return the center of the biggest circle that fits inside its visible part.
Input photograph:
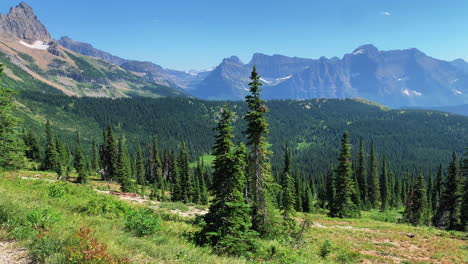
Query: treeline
(312, 128)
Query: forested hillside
(409, 139)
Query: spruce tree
(95, 157)
(384, 188)
(464, 209)
(184, 174)
(361, 173)
(80, 161)
(259, 168)
(140, 167)
(156, 165)
(330, 189)
(51, 158)
(122, 167)
(227, 224)
(449, 210)
(33, 150)
(12, 148)
(417, 211)
(343, 206)
(373, 182)
(109, 154)
(287, 184)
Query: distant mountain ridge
(394, 78)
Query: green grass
(62, 208)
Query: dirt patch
(10, 253)
(132, 197)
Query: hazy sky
(190, 34)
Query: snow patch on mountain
(361, 51)
(457, 92)
(40, 45)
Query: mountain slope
(395, 78)
(409, 138)
(148, 70)
(28, 51)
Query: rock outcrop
(22, 23)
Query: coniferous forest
(261, 170)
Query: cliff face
(22, 23)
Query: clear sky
(190, 34)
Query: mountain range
(395, 78)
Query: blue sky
(189, 34)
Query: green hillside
(408, 138)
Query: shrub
(325, 250)
(89, 250)
(142, 222)
(42, 219)
(56, 190)
(105, 206)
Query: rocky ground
(10, 253)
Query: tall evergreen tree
(33, 150)
(123, 168)
(95, 157)
(343, 206)
(140, 167)
(109, 154)
(156, 165)
(50, 151)
(449, 210)
(464, 209)
(384, 188)
(374, 184)
(80, 161)
(417, 212)
(361, 173)
(184, 174)
(287, 184)
(259, 172)
(227, 224)
(330, 189)
(11, 146)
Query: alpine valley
(110, 160)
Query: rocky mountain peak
(21, 22)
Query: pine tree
(184, 174)
(33, 150)
(373, 182)
(287, 184)
(50, 151)
(122, 167)
(227, 224)
(12, 148)
(343, 206)
(109, 154)
(464, 209)
(259, 172)
(384, 188)
(80, 161)
(449, 210)
(361, 173)
(176, 193)
(156, 166)
(330, 189)
(140, 167)
(95, 158)
(298, 192)
(417, 212)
